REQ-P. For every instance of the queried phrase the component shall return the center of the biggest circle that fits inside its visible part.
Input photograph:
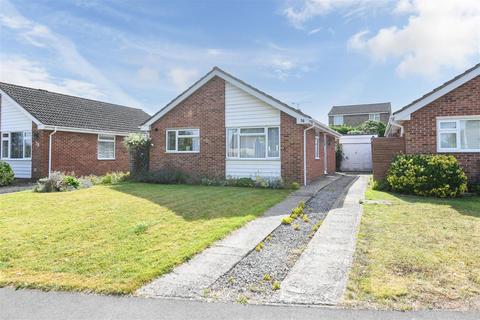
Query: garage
(357, 153)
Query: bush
(474, 188)
(295, 186)
(55, 183)
(113, 178)
(373, 127)
(380, 185)
(70, 181)
(164, 176)
(427, 175)
(6, 174)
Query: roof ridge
(72, 96)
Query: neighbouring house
(355, 115)
(43, 131)
(223, 127)
(443, 121)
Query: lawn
(417, 253)
(113, 239)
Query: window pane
(252, 130)
(252, 146)
(171, 141)
(188, 133)
(273, 142)
(448, 140)
(188, 144)
(106, 150)
(106, 137)
(232, 137)
(16, 147)
(448, 125)
(5, 149)
(28, 144)
(338, 120)
(470, 134)
(317, 151)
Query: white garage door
(357, 153)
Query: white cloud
(182, 78)
(298, 13)
(18, 70)
(65, 53)
(438, 34)
(314, 31)
(214, 52)
(148, 74)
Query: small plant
(71, 182)
(305, 218)
(267, 277)
(259, 247)
(295, 186)
(140, 228)
(380, 185)
(242, 299)
(276, 285)
(232, 280)
(6, 174)
(206, 292)
(315, 228)
(287, 220)
(269, 238)
(296, 226)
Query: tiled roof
(55, 109)
(361, 108)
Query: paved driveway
(32, 304)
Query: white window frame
(9, 139)
(99, 139)
(317, 147)
(336, 121)
(373, 116)
(183, 136)
(265, 132)
(457, 120)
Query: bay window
(106, 147)
(16, 145)
(253, 143)
(183, 140)
(458, 134)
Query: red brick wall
(331, 163)
(315, 167)
(291, 139)
(74, 152)
(421, 130)
(204, 109)
(383, 152)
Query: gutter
(305, 154)
(50, 152)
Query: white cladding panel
(244, 110)
(12, 117)
(253, 168)
(21, 168)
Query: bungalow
(445, 120)
(43, 131)
(223, 127)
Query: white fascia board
(226, 77)
(405, 114)
(325, 128)
(83, 130)
(16, 104)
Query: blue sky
(311, 54)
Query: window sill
(255, 159)
(457, 151)
(16, 159)
(101, 159)
(182, 151)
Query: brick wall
(383, 152)
(74, 152)
(421, 130)
(291, 137)
(315, 167)
(331, 162)
(204, 109)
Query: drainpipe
(50, 151)
(305, 154)
(325, 160)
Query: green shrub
(380, 185)
(6, 174)
(295, 186)
(474, 188)
(372, 127)
(287, 220)
(71, 181)
(427, 175)
(344, 129)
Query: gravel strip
(254, 278)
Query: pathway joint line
(189, 279)
(321, 273)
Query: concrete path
(321, 273)
(191, 278)
(16, 188)
(32, 304)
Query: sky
(311, 54)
